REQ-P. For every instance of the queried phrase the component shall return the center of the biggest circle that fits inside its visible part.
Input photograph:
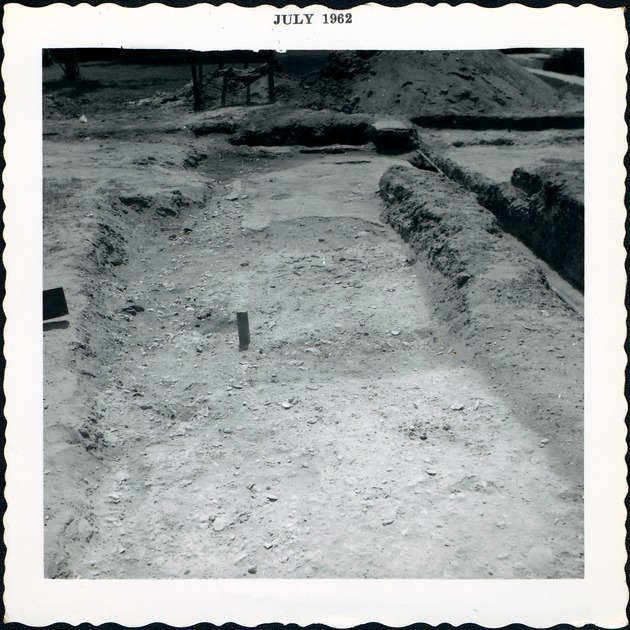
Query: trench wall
(79, 448)
(501, 121)
(543, 208)
(503, 316)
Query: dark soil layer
(502, 121)
(484, 290)
(308, 128)
(556, 207)
(544, 207)
(277, 126)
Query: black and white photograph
(316, 315)
(327, 314)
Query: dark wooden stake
(272, 94)
(242, 321)
(195, 81)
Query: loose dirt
(428, 83)
(496, 154)
(359, 435)
(410, 83)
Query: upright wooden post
(195, 81)
(242, 321)
(272, 95)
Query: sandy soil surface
(496, 154)
(355, 437)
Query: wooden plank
(195, 81)
(272, 89)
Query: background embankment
(433, 84)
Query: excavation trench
(382, 409)
(404, 410)
(543, 207)
(481, 270)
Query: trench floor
(346, 442)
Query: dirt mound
(425, 83)
(409, 83)
(61, 107)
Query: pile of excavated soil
(409, 83)
(417, 83)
